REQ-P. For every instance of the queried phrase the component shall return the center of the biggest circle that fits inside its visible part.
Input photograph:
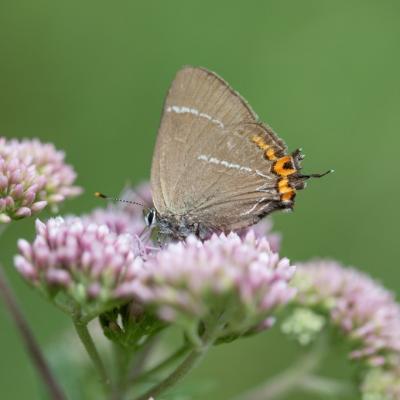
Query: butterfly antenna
(128, 188)
(105, 197)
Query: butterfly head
(150, 217)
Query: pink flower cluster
(238, 280)
(365, 311)
(99, 259)
(32, 176)
(85, 261)
(118, 220)
(233, 282)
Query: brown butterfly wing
(206, 164)
(236, 185)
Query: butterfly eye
(150, 218)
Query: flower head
(362, 309)
(86, 262)
(32, 176)
(229, 281)
(118, 219)
(379, 384)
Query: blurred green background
(91, 77)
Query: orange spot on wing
(283, 186)
(285, 190)
(260, 142)
(287, 196)
(268, 150)
(281, 166)
(270, 153)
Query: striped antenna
(105, 197)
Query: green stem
(140, 361)
(285, 382)
(164, 364)
(123, 357)
(182, 370)
(50, 383)
(192, 359)
(326, 386)
(87, 341)
(3, 228)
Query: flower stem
(211, 328)
(293, 377)
(34, 351)
(164, 364)
(327, 386)
(140, 361)
(123, 357)
(87, 341)
(187, 365)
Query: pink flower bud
(23, 212)
(38, 206)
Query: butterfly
(216, 166)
